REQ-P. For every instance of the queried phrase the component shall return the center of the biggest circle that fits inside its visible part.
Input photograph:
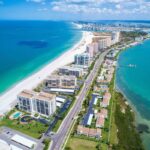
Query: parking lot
(6, 134)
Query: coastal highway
(59, 138)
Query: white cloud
(102, 6)
(36, 1)
(118, 6)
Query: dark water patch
(34, 44)
(143, 128)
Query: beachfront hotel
(65, 82)
(33, 102)
(92, 49)
(115, 37)
(104, 40)
(71, 71)
(82, 59)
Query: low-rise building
(106, 100)
(104, 112)
(100, 121)
(33, 102)
(111, 55)
(82, 130)
(55, 81)
(94, 133)
(71, 71)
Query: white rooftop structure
(101, 77)
(95, 111)
(13, 147)
(58, 104)
(23, 141)
(4, 145)
(90, 119)
(62, 90)
(60, 99)
(95, 101)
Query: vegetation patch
(46, 142)
(80, 144)
(33, 129)
(128, 137)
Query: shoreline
(8, 98)
(138, 118)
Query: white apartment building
(65, 82)
(71, 71)
(33, 102)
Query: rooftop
(83, 54)
(58, 77)
(104, 112)
(82, 129)
(26, 94)
(72, 68)
(88, 131)
(100, 121)
(45, 96)
(107, 95)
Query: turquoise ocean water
(26, 46)
(135, 83)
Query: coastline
(139, 120)
(8, 98)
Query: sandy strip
(9, 97)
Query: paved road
(59, 138)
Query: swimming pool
(16, 115)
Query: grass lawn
(33, 129)
(80, 144)
(57, 125)
(113, 128)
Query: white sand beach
(9, 97)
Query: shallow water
(134, 82)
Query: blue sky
(75, 9)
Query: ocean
(134, 82)
(27, 46)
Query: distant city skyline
(75, 9)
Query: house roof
(104, 112)
(100, 121)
